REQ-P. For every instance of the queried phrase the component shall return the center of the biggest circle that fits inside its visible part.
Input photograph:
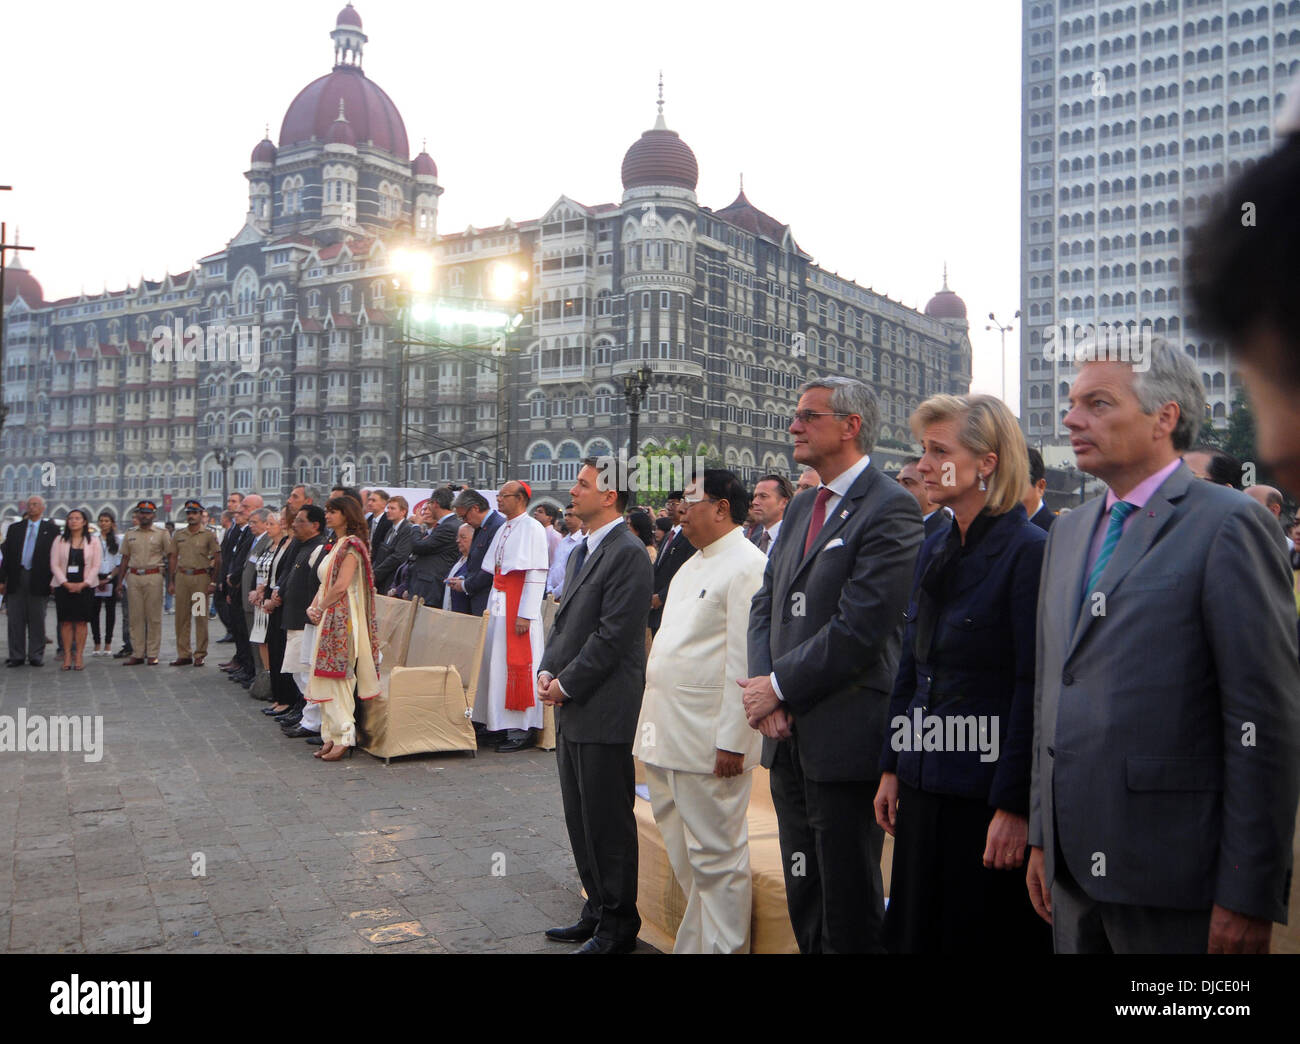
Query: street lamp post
(223, 459)
(1003, 330)
(635, 385)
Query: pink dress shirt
(1138, 497)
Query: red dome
(423, 165)
(372, 114)
(946, 305)
(348, 16)
(660, 157)
(20, 281)
(264, 152)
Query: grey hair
(471, 498)
(307, 492)
(262, 514)
(850, 396)
(1172, 377)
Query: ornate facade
(725, 308)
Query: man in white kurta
(693, 735)
(518, 555)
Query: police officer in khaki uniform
(195, 558)
(145, 551)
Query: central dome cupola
(660, 158)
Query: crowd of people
(1082, 729)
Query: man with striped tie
(1167, 699)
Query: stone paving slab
(430, 854)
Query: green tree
(649, 494)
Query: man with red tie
(824, 636)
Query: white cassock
(519, 545)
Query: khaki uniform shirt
(147, 548)
(194, 550)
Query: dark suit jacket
(46, 533)
(389, 555)
(434, 553)
(227, 554)
(381, 529)
(1043, 517)
(459, 600)
(665, 568)
(596, 647)
(234, 565)
(478, 584)
(968, 649)
(938, 522)
(1167, 725)
(300, 585)
(828, 624)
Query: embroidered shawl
(332, 645)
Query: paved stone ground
(301, 856)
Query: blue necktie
(579, 556)
(29, 543)
(1114, 530)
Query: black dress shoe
(14, 663)
(300, 733)
(512, 745)
(314, 740)
(227, 638)
(580, 932)
(291, 723)
(37, 663)
(598, 945)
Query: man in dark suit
(377, 516)
(593, 673)
(26, 584)
(823, 651)
(231, 535)
(455, 600)
(1035, 506)
(476, 583)
(392, 549)
(1167, 700)
(675, 550)
(240, 666)
(434, 553)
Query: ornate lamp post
(635, 385)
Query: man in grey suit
(593, 673)
(435, 552)
(1167, 699)
(824, 637)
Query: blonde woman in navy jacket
(954, 789)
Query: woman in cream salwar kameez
(343, 656)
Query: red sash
(519, 647)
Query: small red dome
(371, 112)
(946, 305)
(349, 16)
(423, 165)
(265, 151)
(341, 133)
(660, 157)
(20, 281)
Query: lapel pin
(844, 513)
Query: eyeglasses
(691, 503)
(806, 416)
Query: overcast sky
(885, 132)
